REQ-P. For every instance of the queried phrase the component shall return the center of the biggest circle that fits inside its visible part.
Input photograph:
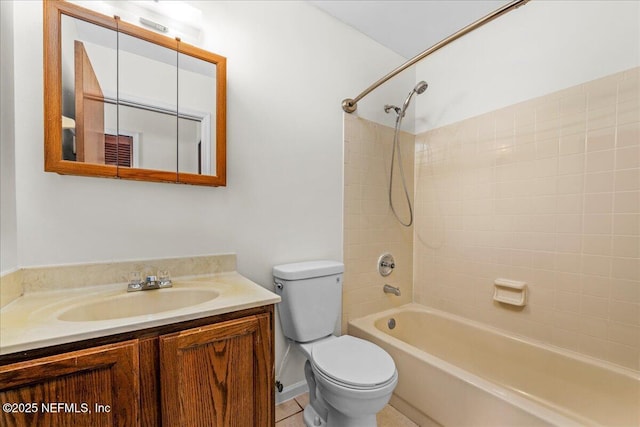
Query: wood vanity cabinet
(217, 371)
(215, 376)
(64, 390)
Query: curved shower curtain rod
(350, 105)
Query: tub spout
(388, 289)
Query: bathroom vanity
(209, 363)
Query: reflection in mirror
(147, 94)
(192, 148)
(196, 141)
(83, 106)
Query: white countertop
(31, 321)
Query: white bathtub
(455, 372)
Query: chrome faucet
(388, 289)
(151, 282)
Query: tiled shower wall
(370, 229)
(545, 191)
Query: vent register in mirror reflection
(133, 105)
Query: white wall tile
(370, 229)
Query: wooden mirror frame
(53, 160)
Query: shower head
(419, 89)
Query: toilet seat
(353, 363)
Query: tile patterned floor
(289, 414)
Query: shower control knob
(386, 264)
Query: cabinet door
(93, 387)
(218, 375)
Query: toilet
(349, 379)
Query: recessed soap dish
(511, 292)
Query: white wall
(539, 48)
(8, 226)
(289, 67)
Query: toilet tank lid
(308, 269)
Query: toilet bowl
(354, 379)
(349, 379)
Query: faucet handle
(386, 264)
(164, 281)
(135, 281)
(151, 281)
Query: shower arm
(350, 105)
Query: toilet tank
(311, 295)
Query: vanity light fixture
(178, 11)
(171, 18)
(154, 25)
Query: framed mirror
(125, 102)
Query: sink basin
(140, 303)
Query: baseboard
(291, 391)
